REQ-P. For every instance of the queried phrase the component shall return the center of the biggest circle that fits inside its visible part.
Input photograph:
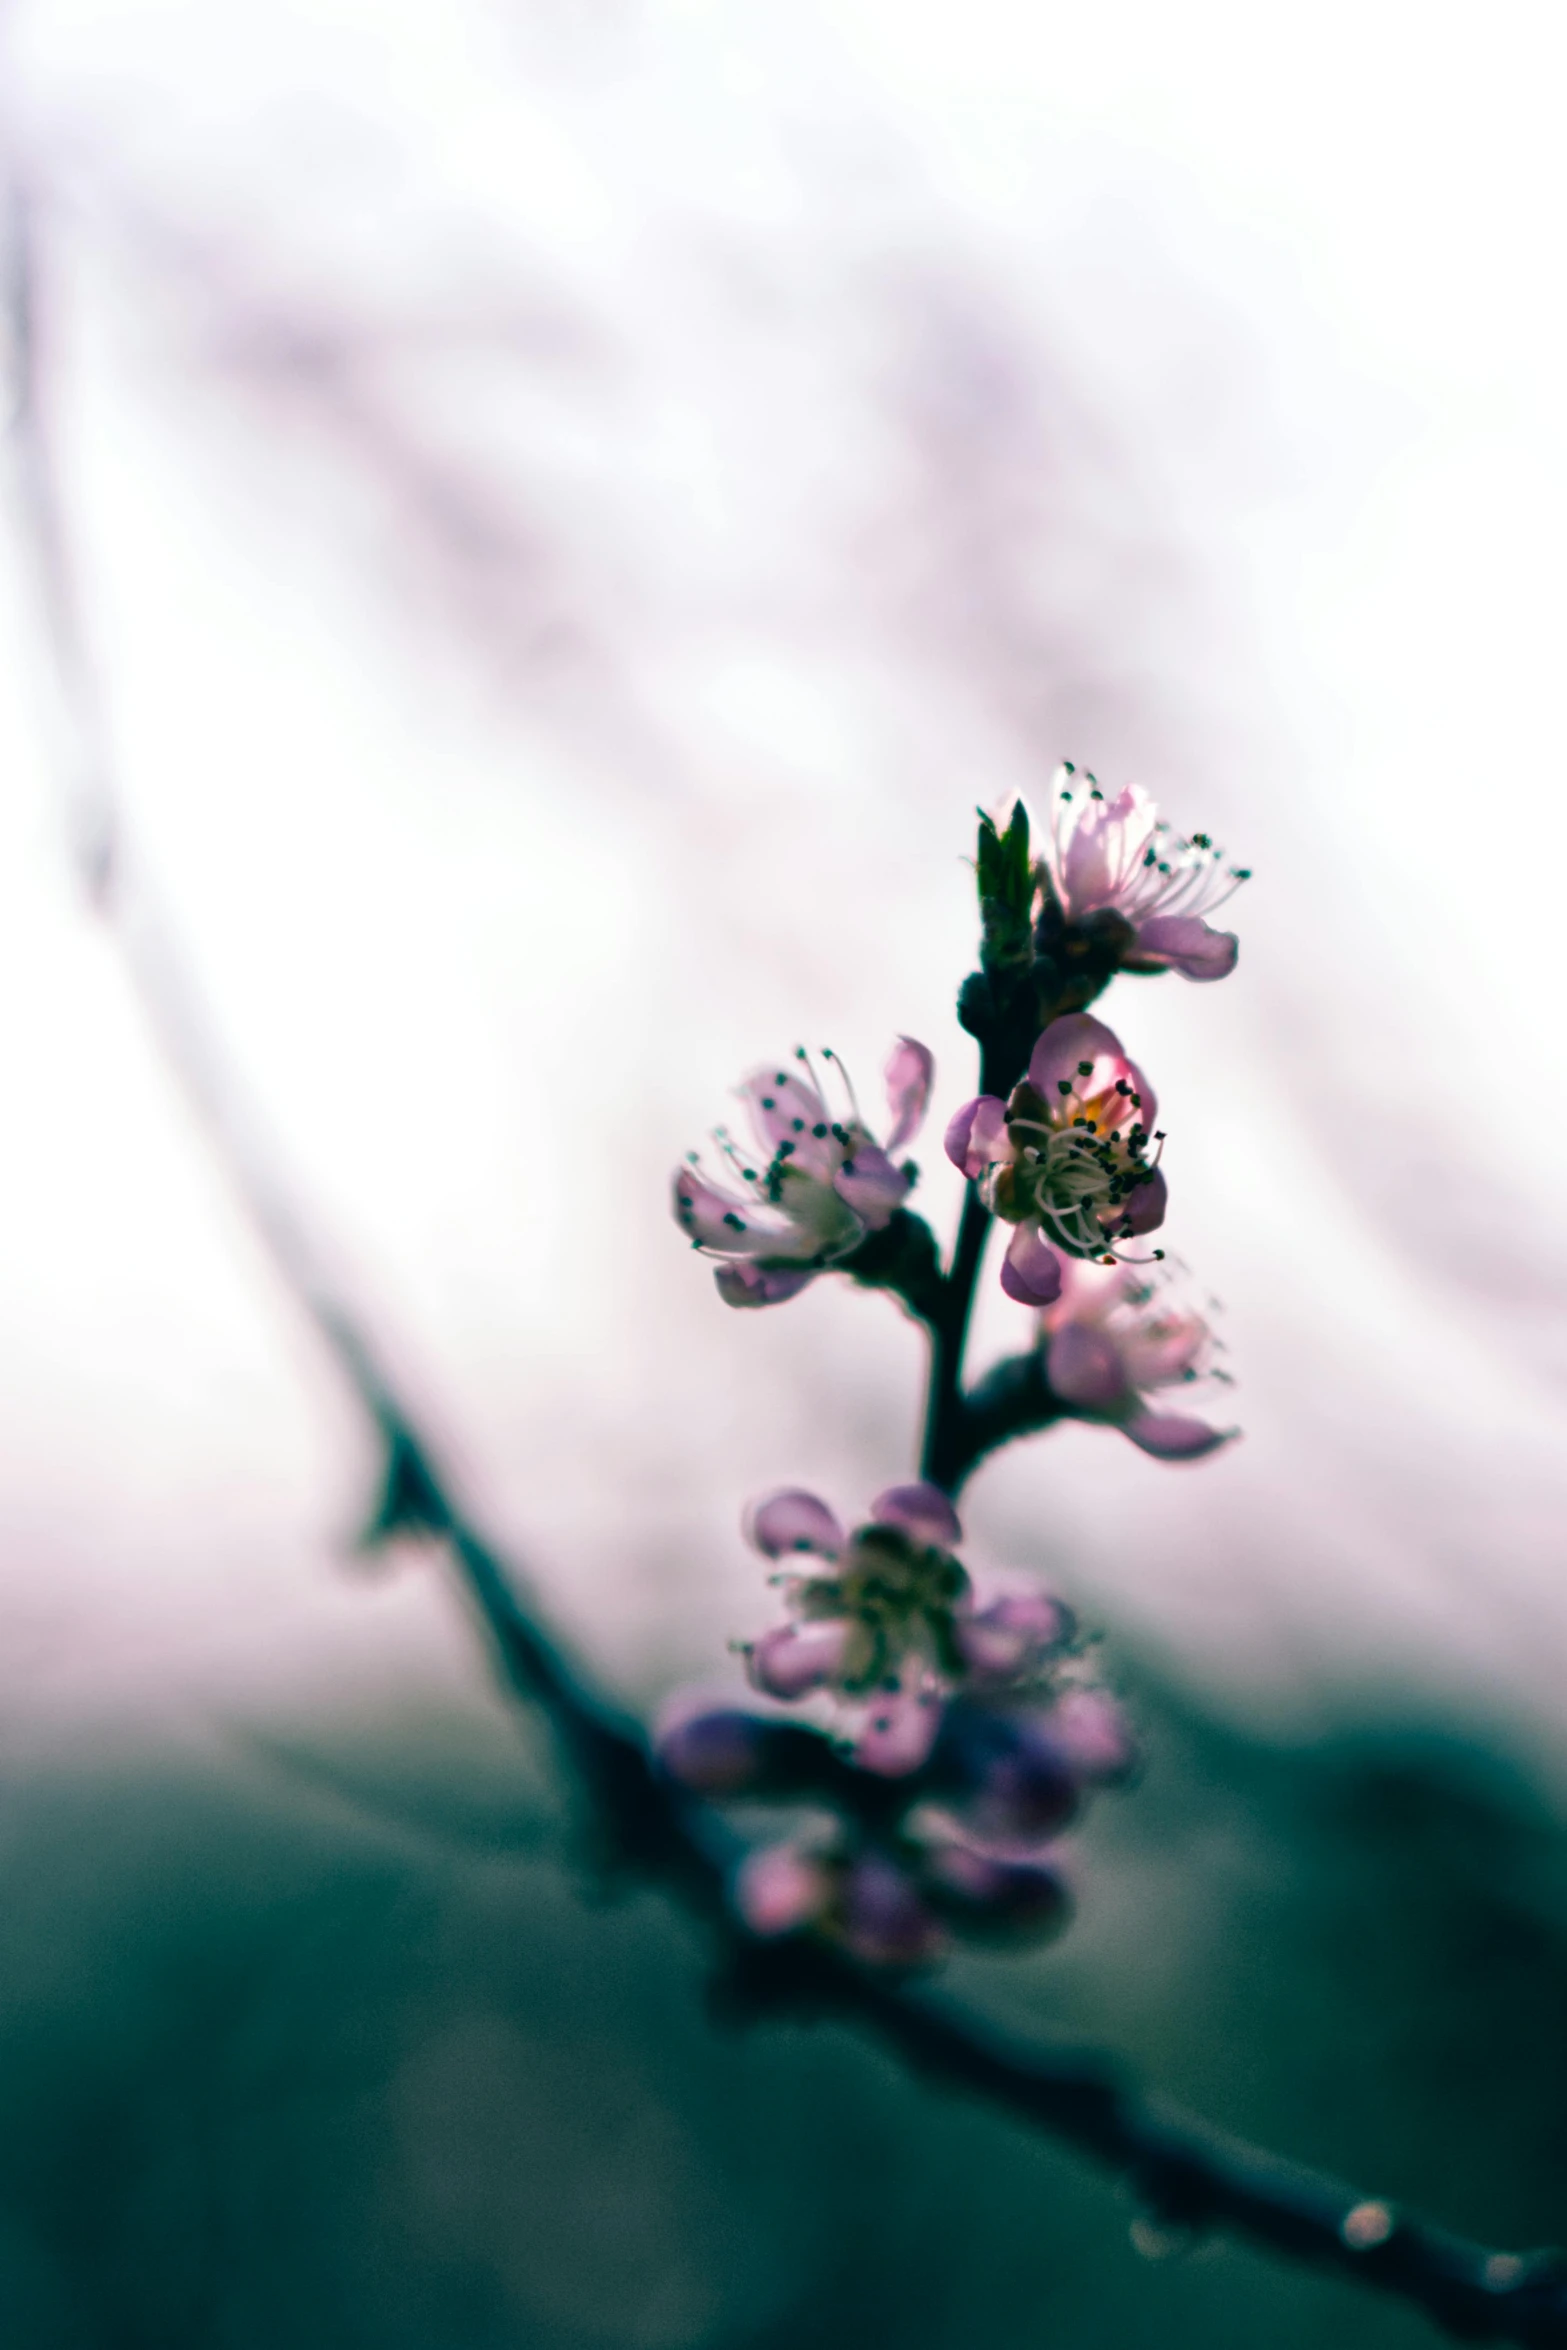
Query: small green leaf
(1005, 874)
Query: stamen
(847, 1082)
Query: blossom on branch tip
(820, 1184)
(1066, 1158)
(1118, 856)
(1112, 1340)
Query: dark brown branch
(1186, 2175)
(1013, 1399)
(945, 1446)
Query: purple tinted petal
(923, 1512)
(910, 1072)
(981, 1892)
(796, 1658)
(1182, 943)
(785, 1107)
(1104, 853)
(1089, 1290)
(716, 1753)
(900, 1730)
(1030, 1270)
(1165, 1347)
(718, 1219)
(1012, 1635)
(977, 1135)
(780, 1889)
(748, 1284)
(1091, 1729)
(884, 1920)
(959, 1127)
(870, 1184)
(1171, 1436)
(789, 1520)
(1016, 1785)
(1065, 1045)
(1144, 1210)
(1057, 1060)
(1084, 1366)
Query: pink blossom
(781, 1887)
(1113, 1338)
(1117, 856)
(885, 1621)
(820, 1183)
(1066, 1159)
(966, 1738)
(872, 1621)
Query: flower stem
(946, 1454)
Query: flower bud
(983, 1896)
(718, 1753)
(882, 1917)
(727, 1752)
(781, 1888)
(1013, 1783)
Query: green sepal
(1005, 873)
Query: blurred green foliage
(329, 2040)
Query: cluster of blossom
(965, 1740)
(966, 1736)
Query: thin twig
(1186, 2175)
(944, 1447)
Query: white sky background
(574, 504)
